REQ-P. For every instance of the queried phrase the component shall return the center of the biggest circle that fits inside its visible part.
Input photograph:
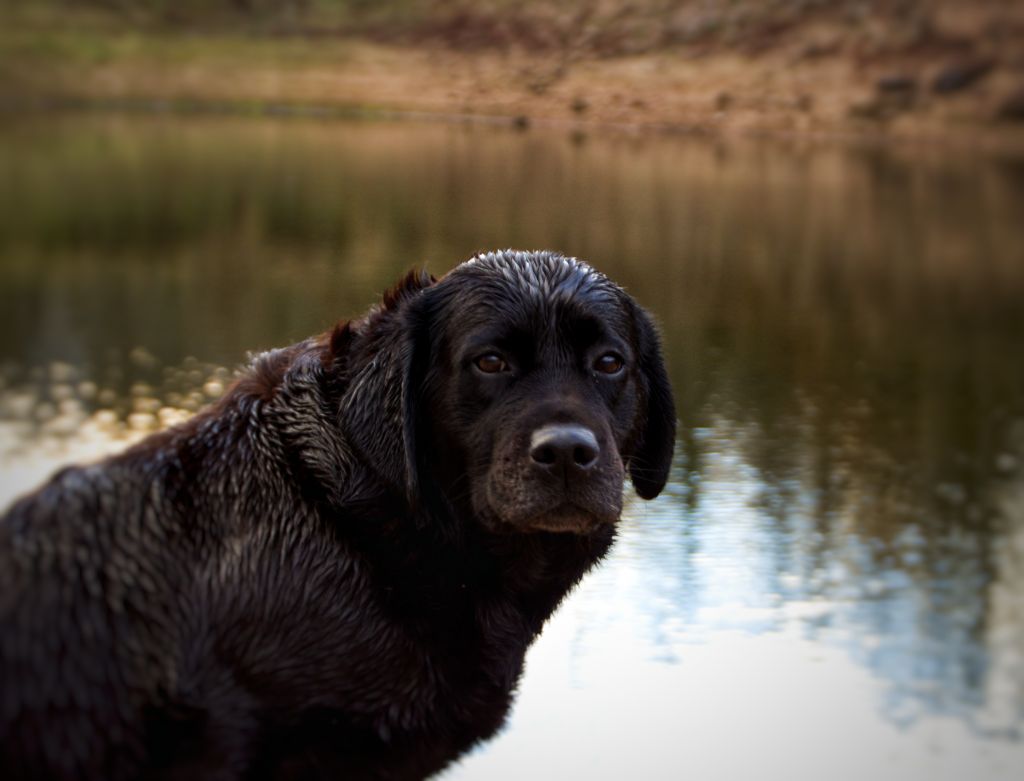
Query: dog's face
(533, 384)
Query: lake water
(832, 586)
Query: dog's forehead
(542, 272)
(532, 285)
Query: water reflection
(839, 559)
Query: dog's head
(518, 389)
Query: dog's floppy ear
(414, 372)
(380, 407)
(652, 456)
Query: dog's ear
(651, 459)
(414, 372)
(380, 409)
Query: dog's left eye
(609, 363)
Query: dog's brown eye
(491, 363)
(609, 363)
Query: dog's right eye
(491, 363)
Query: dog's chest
(476, 657)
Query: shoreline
(985, 140)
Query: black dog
(336, 571)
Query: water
(832, 584)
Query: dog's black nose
(564, 448)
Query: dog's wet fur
(335, 572)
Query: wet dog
(336, 571)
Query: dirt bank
(956, 73)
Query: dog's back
(129, 590)
(87, 619)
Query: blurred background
(822, 203)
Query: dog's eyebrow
(519, 342)
(581, 330)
